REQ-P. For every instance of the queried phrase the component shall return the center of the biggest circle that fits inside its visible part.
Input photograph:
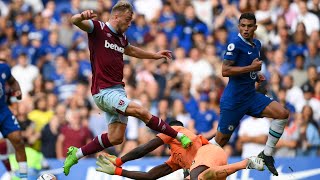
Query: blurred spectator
(314, 103)
(312, 75)
(253, 134)
(310, 20)
(294, 93)
(279, 63)
(40, 115)
(298, 73)
(205, 122)
(167, 20)
(179, 113)
(67, 87)
(299, 46)
(189, 24)
(189, 102)
(27, 126)
(149, 9)
(49, 135)
(314, 55)
(137, 31)
(199, 69)
(164, 110)
(309, 134)
(20, 70)
(72, 134)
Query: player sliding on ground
(204, 160)
(107, 44)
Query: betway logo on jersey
(113, 46)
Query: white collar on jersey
(251, 44)
(111, 28)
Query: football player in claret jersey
(9, 126)
(241, 64)
(107, 44)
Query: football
(47, 176)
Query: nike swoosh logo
(249, 52)
(295, 175)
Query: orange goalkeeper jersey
(180, 157)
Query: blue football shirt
(5, 74)
(241, 87)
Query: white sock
(179, 135)
(79, 154)
(275, 132)
(213, 141)
(23, 170)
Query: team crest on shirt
(230, 128)
(121, 102)
(253, 75)
(231, 47)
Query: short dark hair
(175, 123)
(249, 16)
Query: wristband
(119, 162)
(118, 171)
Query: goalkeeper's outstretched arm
(142, 150)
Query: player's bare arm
(228, 68)
(142, 54)
(105, 166)
(154, 173)
(15, 88)
(142, 150)
(81, 20)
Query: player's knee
(284, 114)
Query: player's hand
(256, 64)
(165, 54)
(105, 165)
(88, 14)
(111, 158)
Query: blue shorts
(230, 116)
(111, 100)
(8, 122)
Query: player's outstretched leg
(269, 162)
(70, 160)
(220, 172)
(155, 123)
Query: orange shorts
(209, 155)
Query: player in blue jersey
(241, 64)
(9, 126)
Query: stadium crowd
(50, 59)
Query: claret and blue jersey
(242, 86)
